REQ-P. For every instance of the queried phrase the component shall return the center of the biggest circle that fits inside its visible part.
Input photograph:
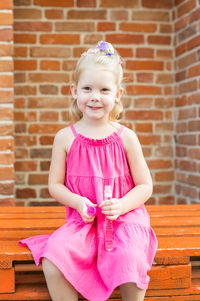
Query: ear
(73, 91)
(119, 94)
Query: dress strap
(73, 130)
(120, 130)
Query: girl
(99, 173)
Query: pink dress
(78, 248)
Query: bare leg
(59, 288)
(130, 292)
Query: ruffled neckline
(112, 137)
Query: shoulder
(130, 139)
(63, 138)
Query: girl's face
(96, 92)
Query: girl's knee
(49, 268)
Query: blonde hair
(111, 61)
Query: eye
(105, 90)
(86, 88)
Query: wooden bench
(175, 275)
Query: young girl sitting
(99, 173)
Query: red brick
(44, 193)
(6, 96)
(186, 7)
(32, 26)
(6, 4)
(25, 193)
(166, 28)
(144, 115)
(117, 15)
(25, 90)
(57, 3)
(164, 151)
(162, 189)
(20, 52)
(181, 23)
(166, 4)
(86, 3)
(194, 125)
(194, 153)
(6, 113)
(194, 99)
(6, 35)
(6, 129)
(119, 3)
(144, 65)
(188, 32)
(145, 52)
(51, 52)
(164, 127)
(125, 52)
(92, 38)
(6, 18)
(44, 153)
(6, 65)
(164, 176)
(25, 140)
(189, 191)
(164, 78)
(187, 139)
(48, 77)
(144, 127)
(6, 50)
(48, 89)
(181, 101)
(25, 116)
(163, 53)
(21, 153)
(67, 39)
(194, 16)
(6, 158)
(24, 38)
(194, 180)
(181, 49)
(159, 39)
(7, 202)
(47, 102)
(49, 65)
(186, 60)
(150, 15)
(25, 65)
(144, 77)
(144, 102)
(75, 26)
(25, 165)
(54, 14)
(160, 163)
(45, 128)
(188, 86)
(95, 14)
(166, 200)
(120, 38)
(106, 26)
(6, 144)
(38, 179)
(149, 139)
(69, 65)
(27, 13)
(6, 81)
(164, 103)
(193, 43)
(6, 188)
(143, 90)
(44, 165)
(138, 27)
(46, 140)
(194, 71)
(6, 173)
(49, 116)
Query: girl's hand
(111, 208)
(82, 209)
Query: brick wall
(49, 37)
(6, 104)
(187, 92)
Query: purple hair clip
(106, 47)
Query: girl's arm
(142, 191)
(57, 188)
(140, 174)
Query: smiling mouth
(94, 108)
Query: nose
(95, 96)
